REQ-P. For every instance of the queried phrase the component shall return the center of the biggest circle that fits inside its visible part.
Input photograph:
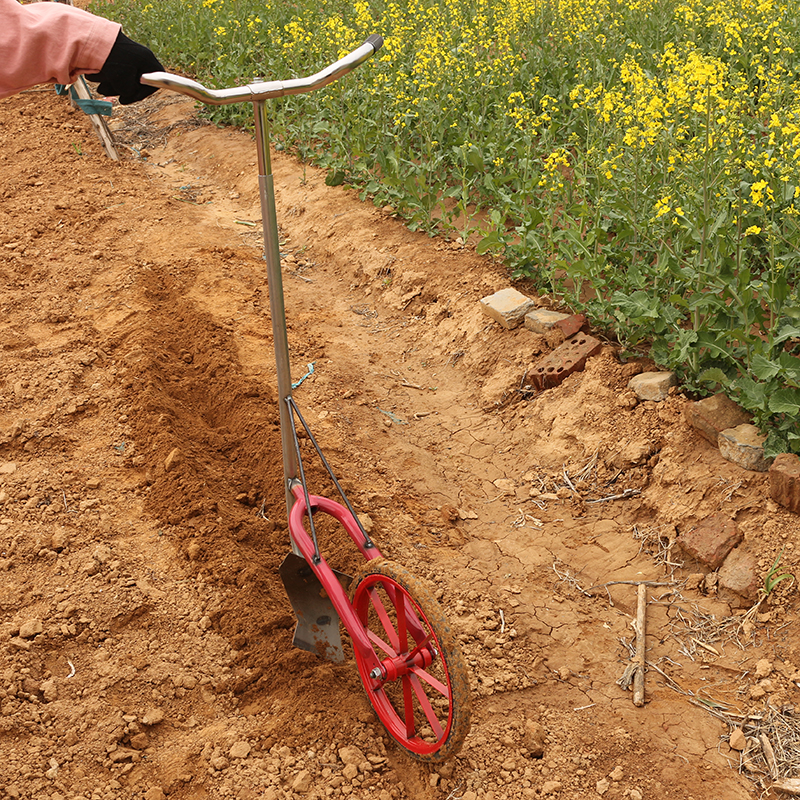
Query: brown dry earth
(145, 635)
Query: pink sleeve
(50, 43)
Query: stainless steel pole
(272, 255)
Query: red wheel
(420, 692)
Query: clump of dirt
(146, 633)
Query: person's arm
(55, 43)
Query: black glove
(126, 63)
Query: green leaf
(335, 178)
(790, 367)
(489, 242)
(637, 305)
(763, 368)
(785, 401)
(753, 395)
(786, 332)
(714, 375)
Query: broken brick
(714, 414)
(571, 325)
(709, 542)
(784, 481)
(567, 358)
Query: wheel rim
(413, 695)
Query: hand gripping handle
(263, 90)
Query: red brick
(784, 481)
(571, 325)
(567, 358)
(713, 414)
(710, 541)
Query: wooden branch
(639, 658)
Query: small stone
(193, 551)
(152, 716)
(653, 385)
(744, 445)
(205, 623)
(123, 754)
(49, 690)
(139, 741)
(534, 738)
(155, 793)
(695, 580)
(349, 772)
(551, 787)
(738, 578)
(505, 485)
(302, 783)
(738, 740)
(173, 459)
(350, 754)
(635, 795)
(602, 786)
(58, 541)
(632, 454)
(757, 692)
(616, 774)
(239, 750)
(20, 643)
(763, 668)
(507, 307)
(219, 762)
(30, 628)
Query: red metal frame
(305, 545)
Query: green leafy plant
(772, 579)
(638, 159)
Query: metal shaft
(269, 222)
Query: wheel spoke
(400, 608)
(380, 643)
(408, 701)
(427, 708)
(434, 683)
(383, 616)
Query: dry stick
(638, 678)
(769, 756)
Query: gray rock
(542, 320)
(508, 307)
(653, 385)
(744, 445)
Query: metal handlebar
(263, 90)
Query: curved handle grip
(263, 90)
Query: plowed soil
(146, 638)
